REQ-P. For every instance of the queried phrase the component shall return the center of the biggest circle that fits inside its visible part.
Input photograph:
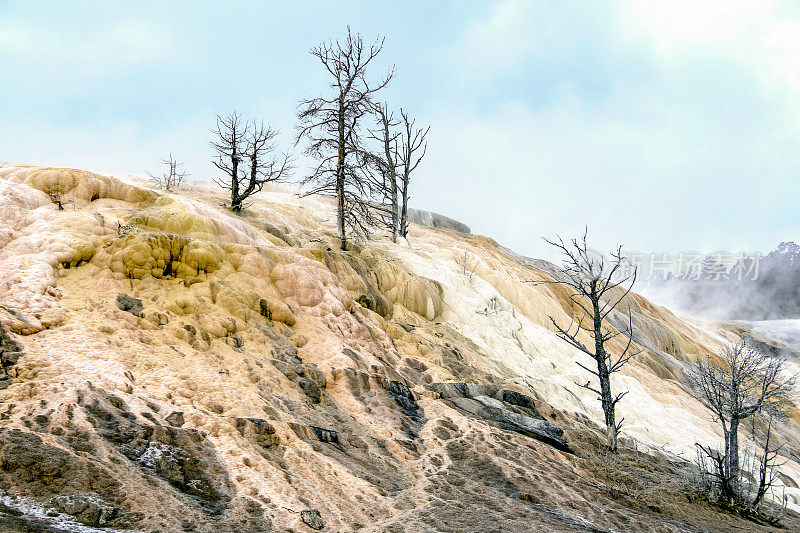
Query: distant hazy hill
(774, 294)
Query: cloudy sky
(666, 126)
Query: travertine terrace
(180, 368)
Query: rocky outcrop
(507, 409)
(10, 352)
(85, 508)
(312, 519)
(28, 461)
(129, 304)
(306, 376)
(435, 220)
(315, 433)
(259, 430)
(182, 457)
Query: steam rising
(773, 295)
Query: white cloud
(762, 36)
(503, 39)
(516, 32)
(696, 149)
(39, 52)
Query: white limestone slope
(658, 412)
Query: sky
(664, 126)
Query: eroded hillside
(170, 366)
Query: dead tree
(332, 124)
(767, 464)
(235, 141)
(741, 384)
(397, 157)
(229, 141)
(384, 162)
(408, 158)
(600, 286)
(56, 199)
(173, 176)
(57, 193)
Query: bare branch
(174, 175)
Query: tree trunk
(404, 208)
(340, 211)
(236, 202)
(763, 469)
(606, 399)
(340, 214)
(726, 470)
(607, 403)
(392, 176)
(395, 213)
(733, 457)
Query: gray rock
(447, 391)
(515, 398)
(540, 429)
(87, 509)
(306, 376)
(435, 220)
(489, 402)
(326, 435)
(10, 353)
(259, 430)
(175, 418)
(312, 519)
(472, 390)
(130, 304)
(317, 434)
(404, 398)
(9, 358)
(165, 460)
(310, 388)
(509, 410)
(473, 407)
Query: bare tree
(741, 384)
(229, 141)
(384, 162)
(332, 127)
(236, 140)
(173, 176)
(408, 157)
(57, 192)
(600, 286)
(767, 463)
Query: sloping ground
(174, 367)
